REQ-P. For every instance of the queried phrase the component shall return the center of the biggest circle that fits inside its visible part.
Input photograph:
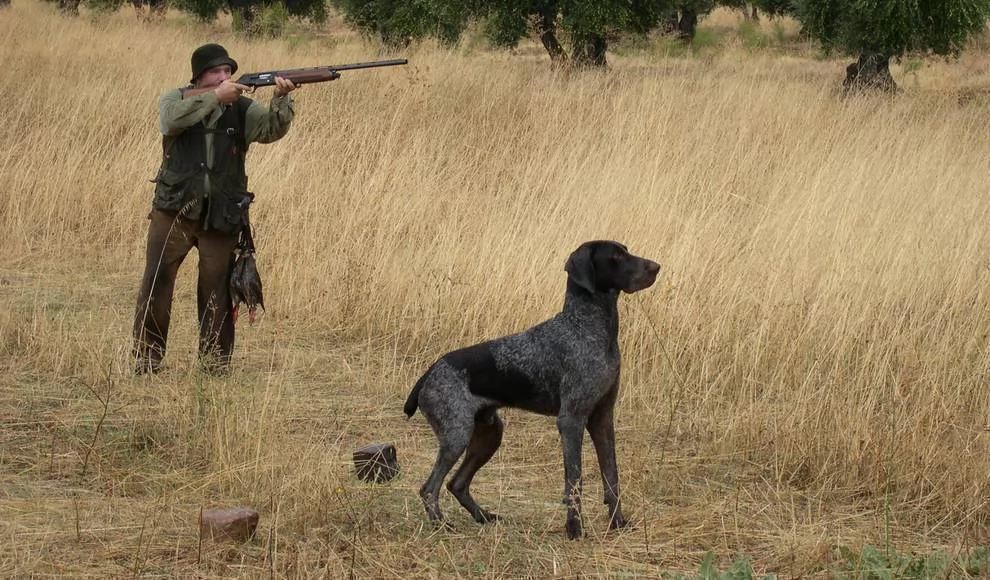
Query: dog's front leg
(601, 427)
(571, 429)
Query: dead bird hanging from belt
(245, 281)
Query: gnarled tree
(207, 10)
(877, 31)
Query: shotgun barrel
(316, 74)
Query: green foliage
(205, 10)
(869, 564)
(874, 564)
(893, 27)
(888, 28)
(779, 33)
(741, 570)
(706, 39)
(751, 36)
(238, 22)
(774, 7)
(507, 27)
(671, 47)
(911, 66)
(271, 20)
(256, 16)
(704, 6)
(105, 6)
(755, 38)
(397, 22)
(581, 19)
(506, 22)
(736, 4)
(584, 17)
(314, 10)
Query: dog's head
(602, 265)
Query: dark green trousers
(170, 238)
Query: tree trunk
(548, 36)
(870, 72)
(157, 9)
(590, 51)
(69, 7)
(687, 25)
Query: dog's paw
(618, 522)
(443, 526)
(486, 517)
(573, 528)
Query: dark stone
(235, 524)
(377, 463)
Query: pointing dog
(566, 367)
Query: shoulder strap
(243, 104)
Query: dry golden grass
(810, 370)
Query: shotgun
(298, 76)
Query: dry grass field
(810, 372)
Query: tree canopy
(208, 9)
(893, 27)
(584, 24)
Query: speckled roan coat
(567, 367)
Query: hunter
(201, 198)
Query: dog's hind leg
(485, 441)
(453, 435)
(452, 445)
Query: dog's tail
(412, 402)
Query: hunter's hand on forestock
(228, 91)
(283, 86)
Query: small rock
(236, 524)
(376, 463)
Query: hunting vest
(218, 196)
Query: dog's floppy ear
(580, 268)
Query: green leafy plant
(271, 20)
(706, 40)
(741, 569)
(751, 36)
(872, 563)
